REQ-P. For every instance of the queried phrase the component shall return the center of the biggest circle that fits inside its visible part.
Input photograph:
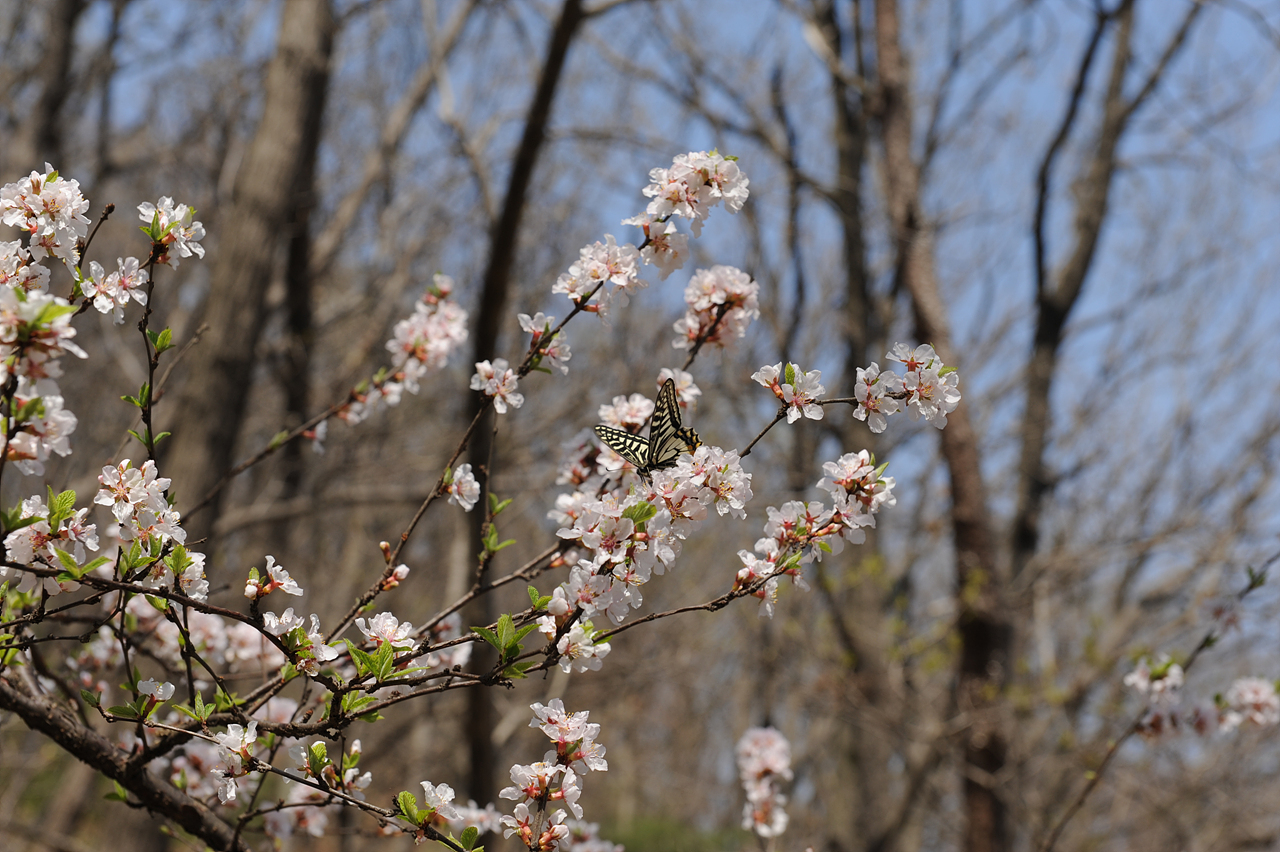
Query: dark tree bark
(857, 611)
(984, 628)
(42, 140)
(272, 186)
(492, 306)
(160, 797)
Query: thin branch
(1256, 579)
(782, 412)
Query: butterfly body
(668, 437)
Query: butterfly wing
(667, 436)
(633, 448)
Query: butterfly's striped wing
(668, 437)
(633, 448)
(665, 445)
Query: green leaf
(12, 523)
(470, 835)
(365, 664)
(503, 546)
(317, 758)
(51, 312)
(93, 699)
(29, 410)
(407, 805)
(516, 671)
(506, 631)
(353, 704)
(487, 635)
(125, 710)
(534, 597)
(498, 507)
(163, 341)
(69, 563)
(385, 661)
(639, 513)
(61, 507)
(117, 793)
(278, 438)
(789, 375)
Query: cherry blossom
(722, 302)
(463, 488)
(499, 381)
(764, 762)
(51, 209)
(172, 227)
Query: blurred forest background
(1075, 201)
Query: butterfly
(668, 437)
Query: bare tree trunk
(503, 242)
(272, 185)
(857, 610)
(42, 140)
(985, 632)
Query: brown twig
(1256, 579)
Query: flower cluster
(546, 344)
(798, 532)
(35, 330)
(51, 209)
(1249, 700)
(1158, 684)
(609, 268)
(928, 389)
(798, 390)
(18, 272)
(307, 647)
(554, 779)
(1252, 700)
(722, 301)
(664, 246)
(499, 381)
(695, 183)
(137, 499)
(42, 425)
(111, 291)
(764, 763)
(632, 537)
(51, 537)
(235, 750)
(424, 341)
(172, 230)
(310, 808)
(420, 343)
